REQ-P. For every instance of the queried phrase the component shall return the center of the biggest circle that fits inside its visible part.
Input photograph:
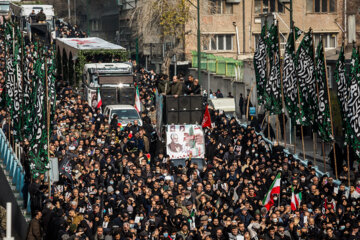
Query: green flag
(322, 116)
(260, 65)
(38, 151)
(353, 99)
(273, 85)
(342, 93)
(305, 68)
(289, 77)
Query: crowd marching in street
(110, 189)
(117, 182)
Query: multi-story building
(231, 27)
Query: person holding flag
(99, 100)
(137, 100)
(270, 198)
(206, 122)
(295, 199)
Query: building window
(266, 6)
(220, 7)
(283, 40)
(329, 39)
(256, 40)
(321, 6)
(218, 42)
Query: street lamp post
(283, 2)
(198, 38)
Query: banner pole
(302, 141)
(277, 127)
(282, 98)
(331, 118)
(268, 125)
(294, 138)
(248, 102)
(324, 159)
(348, 163)
(47, 120)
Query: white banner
(183, 141)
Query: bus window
(94, 81)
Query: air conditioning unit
(233, 1)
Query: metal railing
(296, 156)
(13, 167)
(219, 65)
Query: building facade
(231, 27)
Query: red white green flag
(295, 200)
(99, 101)
(268, 201)
(137, 100)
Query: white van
(126, 114)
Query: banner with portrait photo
(183, 141)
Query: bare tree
(165, 20)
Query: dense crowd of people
(116, 182)
(66, 30)
(110, 188)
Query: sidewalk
(310, 155)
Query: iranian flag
(137, 100)
(268, 201)
(295, 200)
(99, 101)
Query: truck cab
(113, 81)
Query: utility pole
(198, 42)
(291, 16)
(69, 10)
(75, 15)
(87, 18)
(137, 51)
(198, 38)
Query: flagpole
(301, 126)
(282, 95)
(280, 192)
(268, 125)
(47, 120)
(331, 118)
(277, 128)
(299, 102)
(323, 150)
(302, 141)
(248, 101)
(348, 162)
(318, 100)
(294, 138)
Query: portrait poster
(184, 141)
